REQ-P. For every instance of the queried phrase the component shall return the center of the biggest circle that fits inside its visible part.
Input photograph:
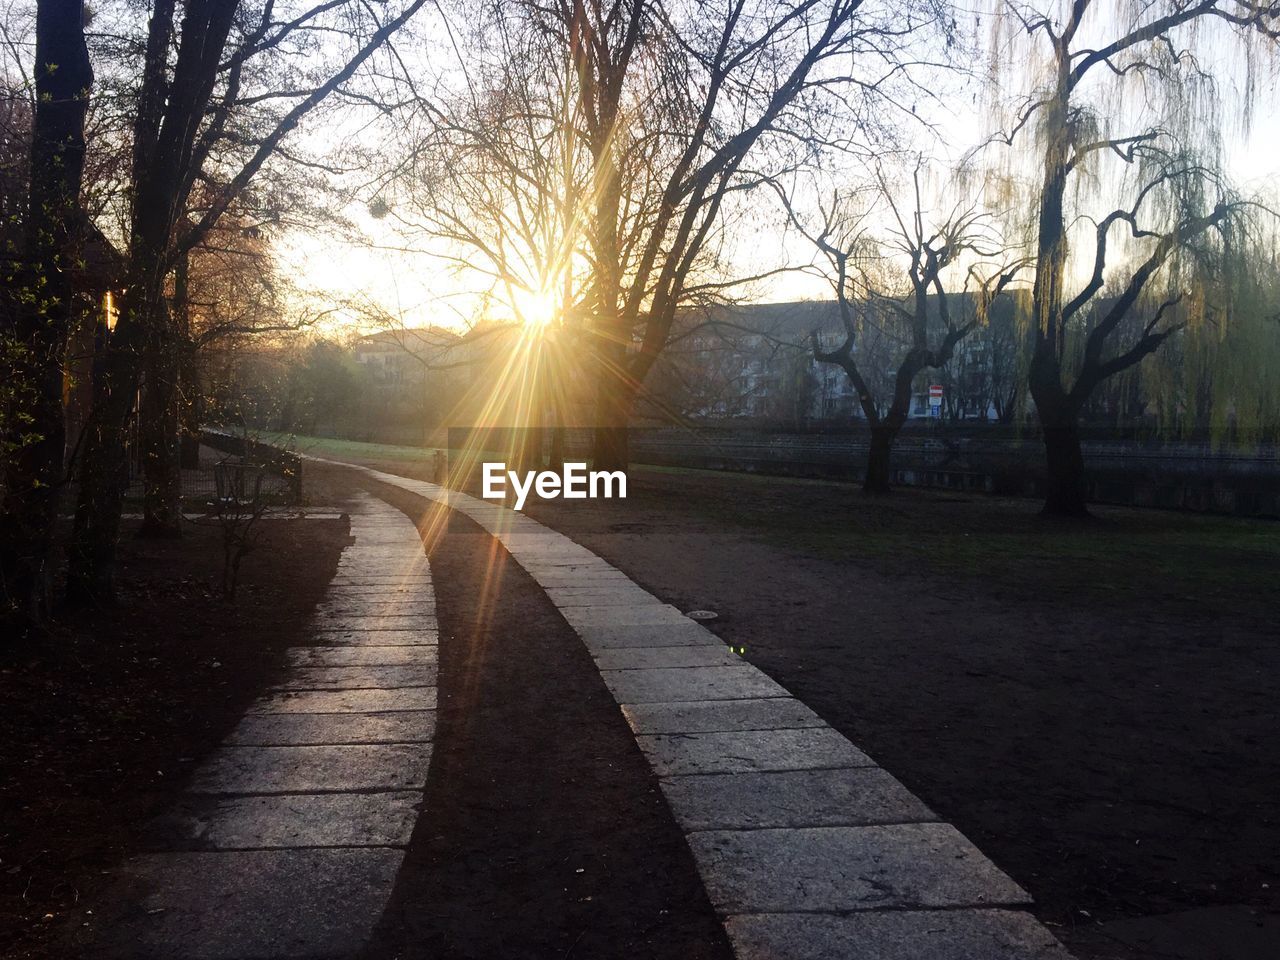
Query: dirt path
(544, 832)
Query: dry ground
(1095, 705)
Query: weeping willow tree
(1219, 380)
(1131, 214)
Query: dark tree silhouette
(962, 243)
(192, 87)
(1175, 206)
(38, 302)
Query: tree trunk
(1059, 418)
(1058, 415)
(611, 447)
(158, 432)
(103, 479)
(190, 398)
(876, 480)
(142, 326)
(189, 446)
(104, 464)
(42, 312)
(1065, 489)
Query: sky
(419, 290)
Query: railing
(1172, 474)
(257, 463)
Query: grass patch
(1121, 552)
(332, 446)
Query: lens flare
(536, 308)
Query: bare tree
(930, 256)
(630, 133)
(1174, 215)
(756, 88)
(197, 84)
(492, 182)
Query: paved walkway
(293, 831)
(291, 837)
(806, 847)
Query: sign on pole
(935, 399)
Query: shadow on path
(544, 832)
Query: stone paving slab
(579, 600)
(388, 572)
(557, 566)
(299, 729)
(837, 869)
(561, 584)
(713, 716)
(381, 591)
(261, 903)
(343, 581)
(348, 701)
(744, 751)
(319, 769)
(668, 685)
(359, 677)
(662, 635)
(298, 813)
(620, 587)
(553, 568)
(416, 575)
(548, 551)
(403, 606)
(383, 543)
(342, 622)
(290, 821)
(635, 615)
(560, 574)
(894, 935)
(561, 580)
(647, 658)
(373, 596)
(419, 637)
(532, 531)
(360, 656)
(792, 798)
(543, 556)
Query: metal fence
(200, 484)
(1173, 474)
(276, 474)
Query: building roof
(409, 339)
(794, 321)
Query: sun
(537, 308)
